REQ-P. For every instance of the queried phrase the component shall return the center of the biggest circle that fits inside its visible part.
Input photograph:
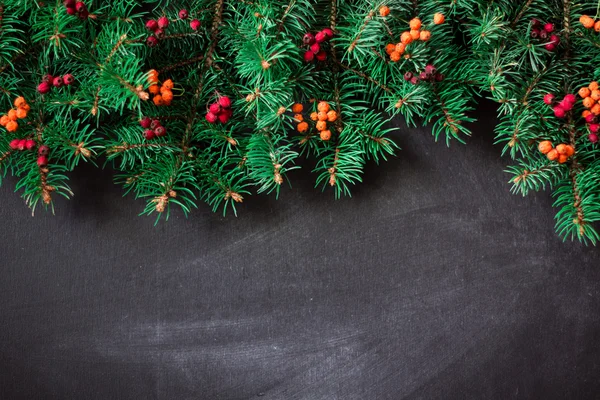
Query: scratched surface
(432, 282)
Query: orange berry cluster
(9, 120)
(395, 51)
(589, 23)
(163, 94)
(591, 97)
(561, 153)
(324, 115)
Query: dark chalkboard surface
(432, 282)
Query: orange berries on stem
(587, 22)
(384, 11)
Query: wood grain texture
(432, 282)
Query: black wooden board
(432, 282)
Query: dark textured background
(432, 282)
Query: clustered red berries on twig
(49, 81)
(561, 153)
(9, 120)
(219, 111)
(315, 45)
(429, 74)
(589, 23)
(77, 7)
(28, 145)
(395, 51)
(591, 101)
(544, 32)
(152, 128)
(325, 114)
(163, 94)
(158, 27)
(560, 108)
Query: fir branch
(368, 18)
(364, 76)
(520, 14)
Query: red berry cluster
(153, 128)
(76, 7)
(429, 74)
(219, 111)
(593, 124)
(315, 43)
(158, 27)
(560, 107)
(544, 32)
(50, 81)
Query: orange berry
(596, 109)
(299, 117)
(167, 103)
(321, 126)
(302, 127)
(593, 85)
(12, 126)
(167, 96)
(12, 115)
(406, 38)
(562, 158)
(439, 18)
(4, 120)
(158, 100)
(584, 92)
(25, 107)
(425, 35)
(595, 94)
(395, 57)
(390, 48)
(415, 34)
(168, 84)
(400, 48)
(21, 113)
(588, 102)
(570, 150)
(153, 76)
(384, 11)
(415, 24)
(154, 89)
(297, 108)
(323, 106)
(314, 116)
(325, 135)
(561, 148)
(552, 155)
(597, 26)
(586, 21)
(332, 116)
(545, 146)
(322, 116)
(20, 101)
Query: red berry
(308, 39)
(593, 137)
(195, 24)
(228, 112)
(43, 150)
(29, 144)
(535, 33)
(160, 131)
(69, 3)
(549, 27)
(210, 117)
(225, 102)
(555, 39)
(57, 82)
(328, 33)
(321, 56)
(48, 78)
(570, 98)
(215, 108)
(149, 134)
(309, 56)
(590, 118)
(408, 76)
(594, 128)
(159, 33)
(14, 144)
(423, 76)
(43, 87)
(565, 105)
(430, 69)
(84, 14)
(315, 48)
(21, 145)
(151, 41)
(223, 118)
(146, 122)
(543, 35)
(152, 25)
(154, 124)
(549, 99)
(320, 37)
(414, 80)
(535, 22)
(68, 79)
(439, 77)
(71, 11)
(183, 14)
(80, 6)
(550, 47)
(42, 161)
(163, 22)
(559, 112)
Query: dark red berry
(42, 161)
(321, 56)
(84, 14)
(14, 144)
(439, 77)
(43, 87)
(159, 33)
(535, 22)
(308, 39)
(320, 37)
(543, 35)
(43, 150)
(423, 76)
(549, 99)
(149, 134)
(195, 24)
(408, 76)
(309, 56)
(57, 82)
(155, 124)
(549, 27)
(212, 118)
(152, 25)
(30, 144)
(80, 6)
(183, 14)
(163, 22)
(146, 122)
(160, 131)
(151, 41)
(593, 137)
(69, 3)
(430, 69)
(550, 47)
(225, 102)
(414, 80)
(315, 48)
(215, 108)
(71, 10)
(21, 145)
(328, 33)
(48, 78)
(68, 79)
(535, 33)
